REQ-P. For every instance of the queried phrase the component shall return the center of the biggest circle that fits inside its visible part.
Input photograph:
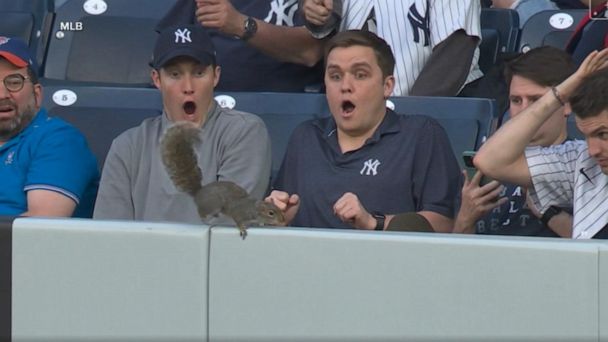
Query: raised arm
(502, 156)
(288, 44)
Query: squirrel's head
(269, 214)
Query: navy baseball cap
(17, 53)
(185, 40)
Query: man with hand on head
(503, 210)
(365, 163)
(572, 174)
(46, 167)
(234, 146)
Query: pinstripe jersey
(565, 175)
(402, 23)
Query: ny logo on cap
(184, 35)
(4, 40)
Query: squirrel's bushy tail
(178, 155)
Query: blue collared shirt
(48, 154)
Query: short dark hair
(591, 97)
(383, 52)
(546, 66)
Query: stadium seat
(281, 113)
(506, 22)
(17, 24)
(573, 132)
(488, 49)
(101, 113)
(30, 20)
(550, 27)
(467, 121)
(591, 38)
(109, 42)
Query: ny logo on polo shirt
(184, 35)
(9, 158)
(370, 167)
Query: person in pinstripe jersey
(435, 41)
(571, 174)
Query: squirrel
(224, 197)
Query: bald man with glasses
(46, 167)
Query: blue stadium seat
(467, 121)
(30, 20)
(281, 112)
(488, 49)
(17, 24)
(550, 27)
(573, 131)
(101, 113)
(114, 45)
(506, 22)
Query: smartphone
(467, 158)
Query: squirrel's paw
(243, 232)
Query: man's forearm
(502, 156)
(561, 224)
(288, 44)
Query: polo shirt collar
(390, 124)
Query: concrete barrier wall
(84, 280)
(116, 280)
(367, 286)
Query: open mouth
(189, 107)
(6, 107)
(348, 107)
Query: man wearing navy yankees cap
(46, 167)
(234, 146)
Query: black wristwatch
(549, 213)
(250, 28)
(379, 220)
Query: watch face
(250, 24)
(251, 28)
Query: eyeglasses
(14, 82)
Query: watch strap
(380, 218)
(549, 213)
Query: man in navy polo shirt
(365, 163)
(46, 167)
